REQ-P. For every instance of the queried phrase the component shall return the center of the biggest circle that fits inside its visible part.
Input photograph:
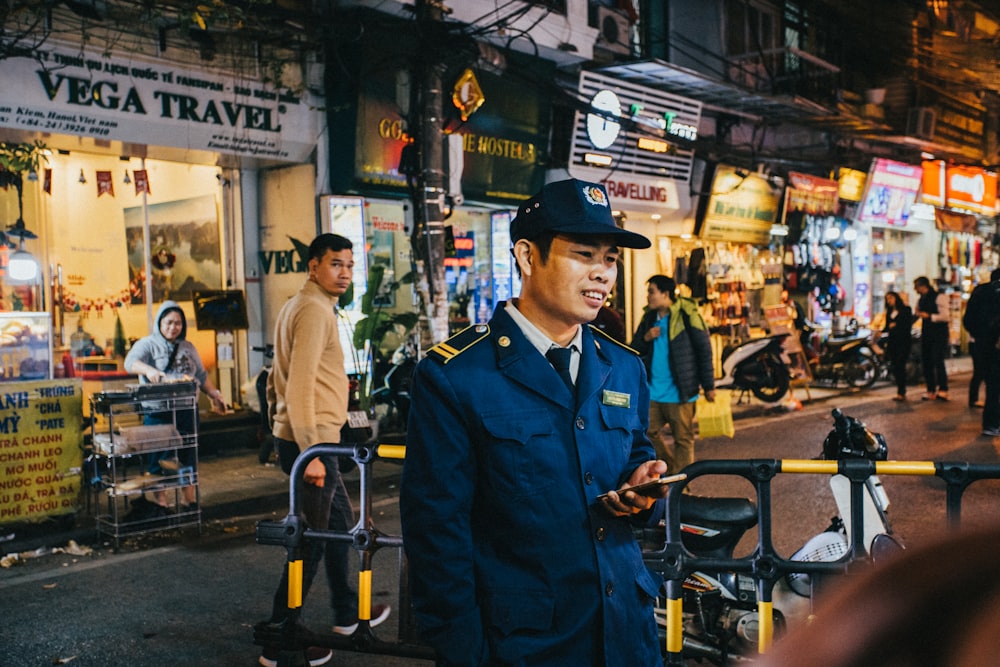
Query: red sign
(811, 194)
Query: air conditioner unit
(613, 29)
(920, 122)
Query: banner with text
(41, 449)
(126, 98)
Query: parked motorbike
(720, 612)
(848, 358)
(393, 391)
(757, 366)
(914, 364)
(255, 398)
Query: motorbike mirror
(884, 547)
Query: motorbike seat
(737, 512)
(837, 343)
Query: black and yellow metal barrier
(764, 565)
(291, 637)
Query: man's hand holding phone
(642, 489)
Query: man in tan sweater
(307, 394)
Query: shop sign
(811, 195)
(631, 192)
(465, 252)
(952, 221)
(741, 208)
(41, 451)
(633, 130)
(502, 156)
(851, 183)
(129, 99)
(960, 186)
(891, 191)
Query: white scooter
(720, 610)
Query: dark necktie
(559, 357)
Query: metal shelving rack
(122, 436)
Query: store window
(888, 267)
(468, 270)
(118, 236)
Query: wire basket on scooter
(826, 547)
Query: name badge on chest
(616, 399)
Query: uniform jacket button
(609, 590)
(580, 423)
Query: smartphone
(649, 488)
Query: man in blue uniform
(514, 560)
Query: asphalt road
(193, 599)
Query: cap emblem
(594, 195)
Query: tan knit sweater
(307, 388)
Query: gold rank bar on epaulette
(459, 343)
(606, 336)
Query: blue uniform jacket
(511, 562)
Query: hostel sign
(128, 99)
(40, 448)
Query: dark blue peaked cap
(574, 208)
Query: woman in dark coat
(898, 324)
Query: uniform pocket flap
(649, 582)
(519, 427)
(620, 418)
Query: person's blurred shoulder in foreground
(934, 605)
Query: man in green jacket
(672, 339)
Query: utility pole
(428, 238)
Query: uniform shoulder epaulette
(447, 350)
(605, 336)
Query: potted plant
(16, 160)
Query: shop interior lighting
(888, 277)
(599, 159)
(832, 233)
(126, 180)
(22, 268)
(779, 230)
(850, 234)
(83, 178)
(32, 175)
(656, 216)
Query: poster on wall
(41, 451)
(184, 248)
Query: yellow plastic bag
(715, 418)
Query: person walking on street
(899, 327)
(933, 311)
(307, 392)
(517, 429)
(982, 320)
(672, 339)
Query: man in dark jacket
(981, 320)
(672, 339)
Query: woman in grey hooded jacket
(165, 355)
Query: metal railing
(764, 565)
(290, 636)
(673, 561)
